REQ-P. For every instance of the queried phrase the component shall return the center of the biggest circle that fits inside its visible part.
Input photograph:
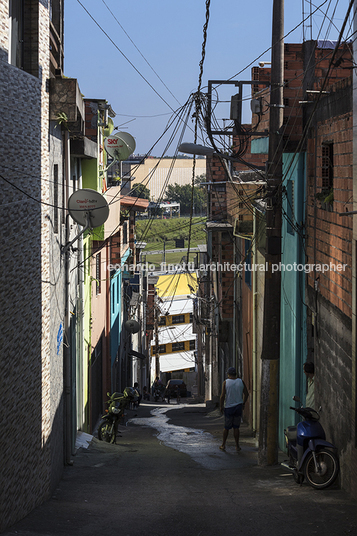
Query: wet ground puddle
(200, 445)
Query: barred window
(327, 166)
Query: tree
(139, 190)
(183, 195)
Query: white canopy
(178, 361)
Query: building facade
(32, 266)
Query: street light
(201, 150)
(194, 148)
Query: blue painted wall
(116, 292)
(293, 346)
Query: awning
(177, 361)
(134, 203)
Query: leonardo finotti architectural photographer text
(228, 267)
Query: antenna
(119, 146)
(88, 208)
(306, 26)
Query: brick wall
(329, 236)
(329, 294)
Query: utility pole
(156, 330)
(269, 412)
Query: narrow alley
(167, 476)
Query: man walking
(234, 396)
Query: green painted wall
(90, 174)
(293, 310)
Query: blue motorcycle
(310, 455)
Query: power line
(122, 53)
(128, 36)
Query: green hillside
(155, 232)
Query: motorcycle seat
(291, 433)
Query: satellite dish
(87, 202)
(120, 145)
(132, 326)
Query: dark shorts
(233, 417)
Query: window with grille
(327, 166)
(193, 345)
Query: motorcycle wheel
(329, 469)
(106, 433)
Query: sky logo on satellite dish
(120, 145)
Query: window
(192, 345)
(327, 166)
(23, 35)
(16, 33)
(162, 321)
(178, 319)
(97, 273)
(218, 187)
(125, 232)
(161, 349)
(178, 346)
(248, 263)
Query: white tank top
(234, 392)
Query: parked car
(172, 385)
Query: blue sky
(163, 40)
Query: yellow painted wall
(169, 350)
(176, 285)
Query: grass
(154, 232)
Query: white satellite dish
(120, 145)
(88, 205)
(132, 326)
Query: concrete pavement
(143, 486)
